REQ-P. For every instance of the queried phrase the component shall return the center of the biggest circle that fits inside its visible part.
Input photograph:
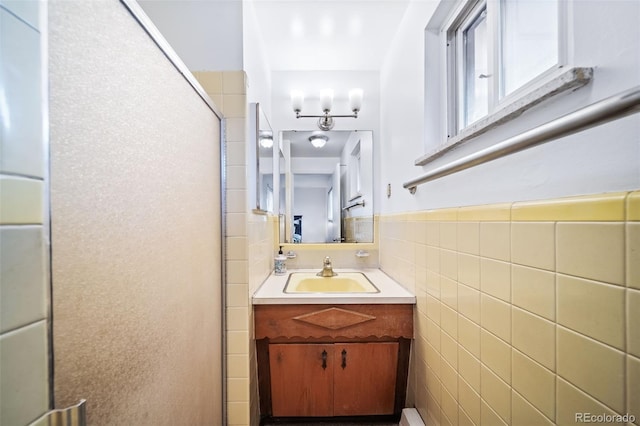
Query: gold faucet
(327, 269)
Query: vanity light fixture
(326, 122)
(266, 139)
(318, 141)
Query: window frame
(459, 80)
(454, 26)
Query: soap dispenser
(280, 265)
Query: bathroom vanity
(327, 354)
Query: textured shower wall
(136, 225)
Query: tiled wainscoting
(248, 244)
(527, 313)
(358, 229)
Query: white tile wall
(22, 269)
(21, 143)
(24, 352)
(27, 10)
(25, 376)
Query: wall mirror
(328, 186)
(264, 159)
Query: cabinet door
(364, 378)
(301, 379)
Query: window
(494, 49)
(529, 41)
(472, 39)
(488, 61)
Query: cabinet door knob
(324, 360)
(344, 358)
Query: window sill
(571, 79)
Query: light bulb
(355, 99)
(326, 99)
(297, 99)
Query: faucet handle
(327, 269)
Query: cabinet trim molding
(283, 321)
(334, 318)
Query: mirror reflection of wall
(310, 195)
(266, 190)
(265, 163)
(330, 186)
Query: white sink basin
(372, 286)
(344, 282)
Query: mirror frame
(350, 198)
(259, 124)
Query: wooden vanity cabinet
(332, 360)
(342, 379)
(364, 382)
(301, 379)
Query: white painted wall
(367, 187)
(335, 228)
(206, 34)
(312, 165)
(603, 34)
(255, 61)
(311, 202)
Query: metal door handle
(75, 415)
(344, 358)
(324, 360)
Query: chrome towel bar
(608, 109)
(359, 203)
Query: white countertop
(271, 292)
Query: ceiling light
(318, 141)
(326, 122)
(326, 26)
(355, 26)
(266, 139)
(297, 28)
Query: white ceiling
(305, 35)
